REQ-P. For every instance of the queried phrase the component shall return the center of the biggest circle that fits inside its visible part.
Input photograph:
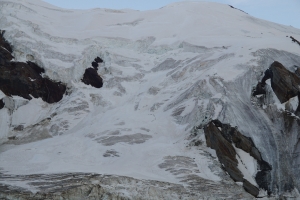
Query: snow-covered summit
(167, 74)
(183, 20)
(59, 31)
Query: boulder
(98, 60)
(92, 78)
(95, 65)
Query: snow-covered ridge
(65, 39)
(165, 72)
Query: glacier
(167, 74)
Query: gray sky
(285, 12)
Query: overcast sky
(285, 12)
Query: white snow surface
(247, 165)
(165, 71)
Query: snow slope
(165, 71)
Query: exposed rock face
(92, 78)
(294, 40)
(283, 125)
(96, 62)
(1, 104)
(224, 150)
(284, 83)
(221, 137)
(259, 89)
(298, 107)
(25, 79)
(95, 65)
(237, 9)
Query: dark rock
(19, 128)
(297, 71)
(259, 89)
(54, 92)
(284, 83)
(263, 178)
(237, 9)
(5, 56)
(221, 137)
(98, 60)
(95, 65)
(225, 151)
(4, 43)
(5, 50)
(294, 40)
(1, 103)
(268, 75)
(24, 79)
(92, 78)
(36, 68)
(232, 135)
(298, 107)
(250, 188)
(12, 138)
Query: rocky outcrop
(284, 83)
(25, 79)
(259, 89)
(92, 78)
(222, 137)
(95, 63)
(237, 9)
(298, 107)
(1, 104)
(294, 40)
(224, 150)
